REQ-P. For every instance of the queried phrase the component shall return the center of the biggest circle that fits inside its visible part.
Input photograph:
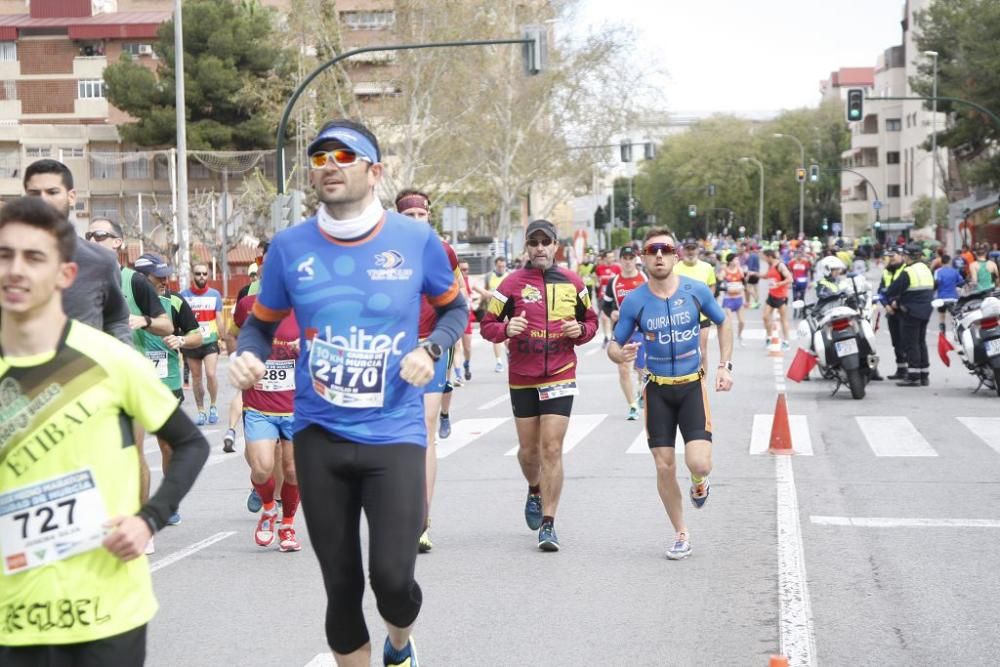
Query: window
(37, 151)
(892, 157)
(138, 168)
(161, 167)
(8, 51)
(104, 170)
(368, 20)
(105, 208)
(198, 171)
(9, 163)
(892, 190)
(9, 90)
(135, 49)
(893, 124)
(88, 89)
(68, 153)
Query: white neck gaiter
(352, 228)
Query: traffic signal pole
(530, 43)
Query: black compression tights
(337, 479)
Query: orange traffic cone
(778, 661)
(773, 341)
(781, 432)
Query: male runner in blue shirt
(666, 311)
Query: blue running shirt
(357, 304)
(669, 327)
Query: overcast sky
(751, 55)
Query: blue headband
(353, 139)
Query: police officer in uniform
(894, 267)
(911, 294)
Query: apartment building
(52, 102)
(887, 145)
(836, 87)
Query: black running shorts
(776, 302)
(526, 403)
(670, 406)
(201, 352)
(125, 650)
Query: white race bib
(159, 359)
(279, 375)
(50, 521)
(347, 377)
(557, 391)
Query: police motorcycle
(976, 329)
(839, 330)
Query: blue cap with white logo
(350, 138)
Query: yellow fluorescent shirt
(702, 271)
(68, 463)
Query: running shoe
(444, 430)
(202, 418)
(681, 548)
(213, 415)
(424, 544)
(633, 413)
(740, 341)
(699, 493)
(547, 540)
(264, 534)
(287, 540)
(498, 368)
(228, 441)
(533, 511)
(785, 346)
(254, 502)
(468, 372)
(405, 658)
(174, 520)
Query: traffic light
(878, 224)
(800, 175)
(626, 147)
(825, 225)
(649, 149)
(813, 173)
(855, 104)
(997, 211)
(692, 210)
(535, 51)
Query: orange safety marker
(781, 432)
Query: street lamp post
(934, 55)
(802, 184)
(760, 208)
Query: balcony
(10, 109)
(96, 107)
(89, 67)
(9, 69)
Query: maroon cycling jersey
(540, 355)
(428, 315)
(275, 393)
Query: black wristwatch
(728, 365)
(433, 349)
(149, 321)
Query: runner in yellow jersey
(694, 267)
(75, 588)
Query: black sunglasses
(99, 236)
(653, 248)
(201, 273)
(534, 243)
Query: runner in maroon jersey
(618, 287)
(267, 419)
(605, 270)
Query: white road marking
(894, 436)
(797, 635)
(322, 660)
(579, 427)
(496, 401)
(986, 429)
(641, 445)
(895, 522)
(213, 459)
(798, 425)
(187, 551)
(466, 431)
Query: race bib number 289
(347, 377)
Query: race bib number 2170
(348, 377)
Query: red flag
(944, 347)
(801, 365)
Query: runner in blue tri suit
(354, 274)
(666, 311)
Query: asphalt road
(877, 548)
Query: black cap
(689, 241)
(914, 249)
(543, 226)
(626, 250)
(153, 265)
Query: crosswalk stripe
(641, 444)
(986, 429)
(894, 436)
(798, 425)
(579, 427)
(496, 401)
(466, 431)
